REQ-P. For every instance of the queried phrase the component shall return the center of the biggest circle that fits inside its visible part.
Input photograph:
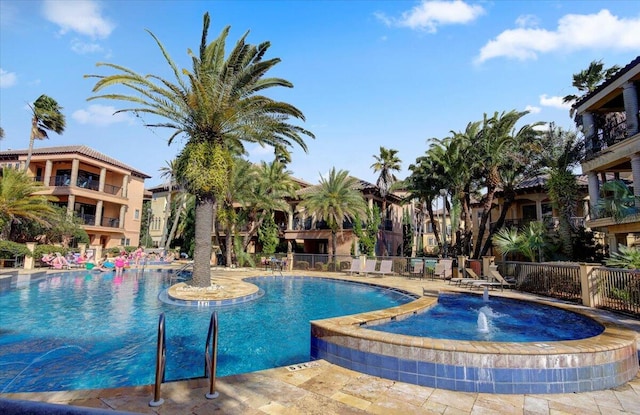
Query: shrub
(302, 265)
(10, 249)
(345, 264)
(320, 266)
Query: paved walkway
(323, 388)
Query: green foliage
(528, 242)
(368, 236)
(268, 235)
(627, 257)
(41, 250)
(617, 201)
(242, 257)
(204, 167)
(9, 249)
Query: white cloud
(429, 15)
(554, 102)
(532, 109)
(100, 115)
(81, 47)
(574, 32)
(527, 20)
(80, 16)
(7, 79)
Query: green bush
(9, 249)
(320, 266)
(302, 265)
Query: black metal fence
(618, 290)
(552, 280)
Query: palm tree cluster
(490, 156)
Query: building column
(589, 129)
(123, 211)
(75, 164)
(103, 178)
(630, 95)
(539, 210)
(125, 186)
(48, 167)
(613, 243)
(99, 213)
(635, 170)
(594, 192)
(290, 219)
(71, 202)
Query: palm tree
(617, 201)
(386, 163)
(217, 106)
(528, 242)
(334, 200)
(169, 172)
(561, 152)
(588, 79)
(46, 116)
(498, 134)
(19, 201)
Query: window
(136, 214)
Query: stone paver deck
(324, 388)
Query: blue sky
(366, 73)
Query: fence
(403, 266)
(617, 290)
(553, 280)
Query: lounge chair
(501, 280)
(355, 267)
(418, 270)
(443, 269)
(369, 266)
(472, 277)
(385, 267)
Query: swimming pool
(497, 319)
(79, 330)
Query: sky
(366, 74)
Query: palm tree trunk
(432, 218)
(508, 201)
(487, 206)
(167, 214)
(228, 241)
(32, 139)
(202, 250)
(174, 226)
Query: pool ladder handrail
(161, 360)
(211, 356)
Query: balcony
(610, 129)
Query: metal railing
(553, 280)
(211, 356)
(161, 360)
(618, 290)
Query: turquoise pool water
(79, 330)
(458, 317)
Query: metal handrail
(211, 356)
(161, 358)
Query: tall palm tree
(561, 152)
(218, 107)
(46, 116)
(168, 171)
(499, 133)
(334, 200)
(19, 201)
(587, 80)
(386, 163)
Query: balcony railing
(62, 181)
(608, 131)
(110, 222)
(87, 219)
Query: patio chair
(385, 267)
(369, 266)
(472, 277)
(417, 270)
(501, 280)
(443, 269)
(355, 267)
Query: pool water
(457, 317)
(79, 330)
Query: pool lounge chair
(472, 277)
(443, 269)
(418, 270)
(355, 267)
(495, 274)
(385, 268)
(369, 266)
